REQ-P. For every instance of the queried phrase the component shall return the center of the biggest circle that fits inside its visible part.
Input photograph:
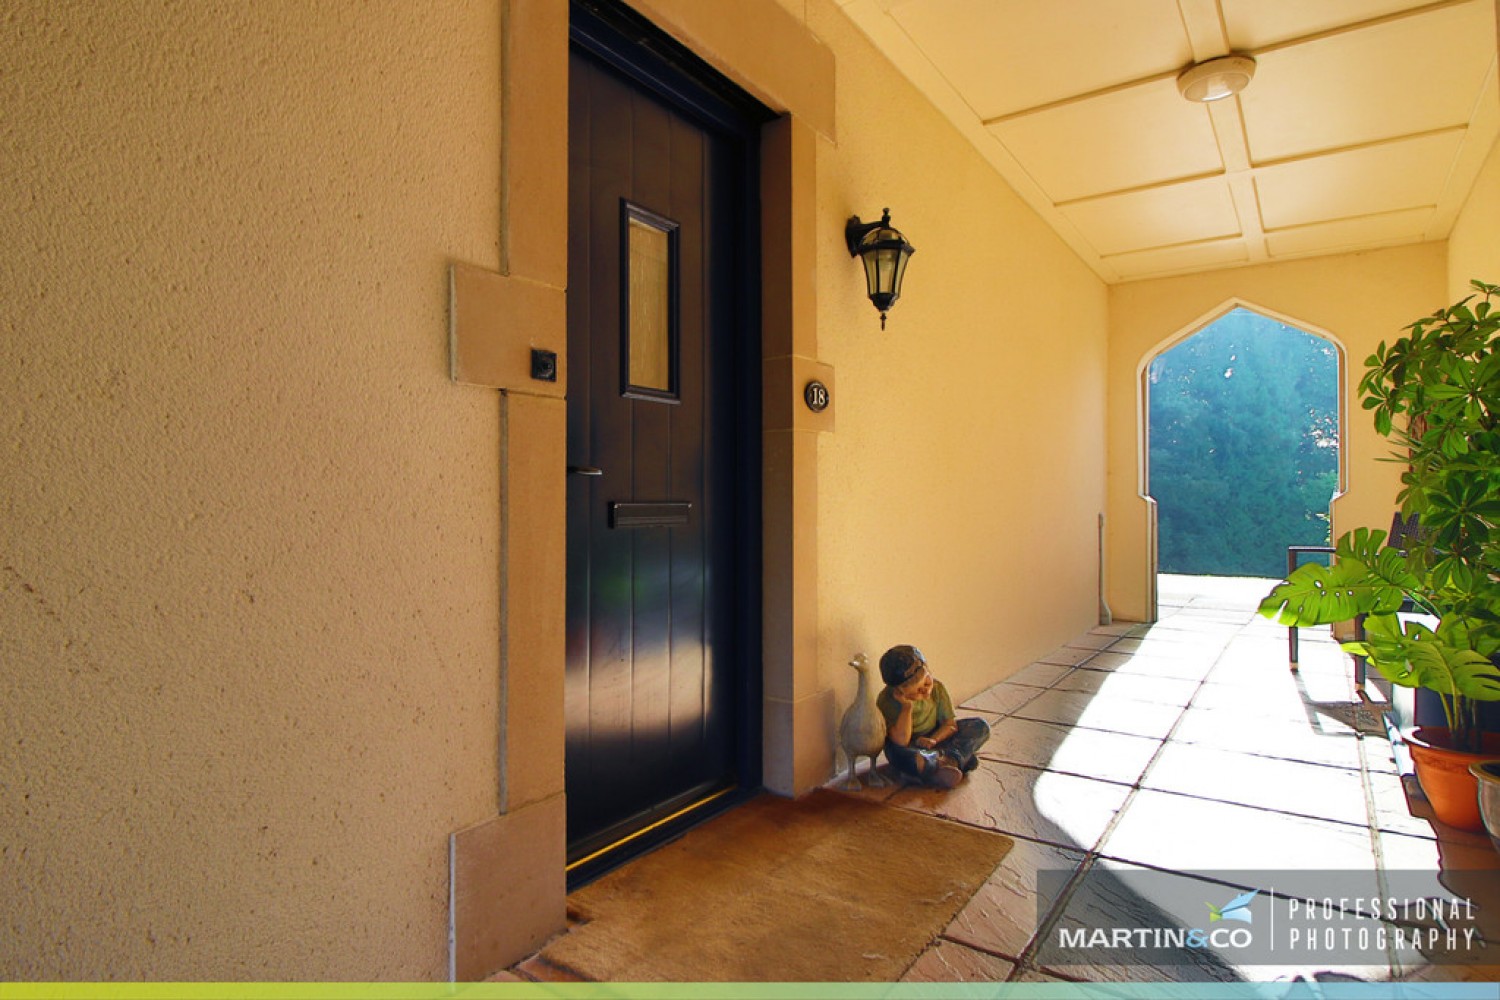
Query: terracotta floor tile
(1326, 792)
(1057, 808)
(1320, 742)
(1464, 973)
(1120, 629)
(1134, 687)
(1261, 625)
(1394, 806)
(1003, 698)
(1002, 916)
(1090, 640)
(1171, 646)
(1264, 654)
(1214, 625)
(1450, 851)
(1270, 640)
(1253, 689)
(1208, 614)
(1102, 973)
(1193, 667)
(1322, 658)
(1067, 657)
(1037, 976)
(1179, 833)
(1275, 699)
(947, 962)
(1164, 635)
(1084, 680)
(1190, 630)
(871, 793)
(1243, 589)
(1115, 715)
(1091, 753)
(1435, 956)
(543, 970)
(1331, 682)
(1380, 756)
(1459, 872)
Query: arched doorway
(1241, 421)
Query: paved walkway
(1178, 752)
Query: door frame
(507, 884)
(652, 61)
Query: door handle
(584, 470)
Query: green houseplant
(1435, 393)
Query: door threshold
(638, 842)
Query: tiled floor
(1189, 749)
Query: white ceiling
(1365, 125)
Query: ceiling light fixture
(1216, 79)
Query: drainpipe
(1106, 617)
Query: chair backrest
(1404, 531)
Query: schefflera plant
(1435, 393)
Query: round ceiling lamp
(1216, 79)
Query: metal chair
(1293, 556)
(1403, 531)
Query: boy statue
(923, 740)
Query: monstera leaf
(1412, 655)
(1366, 578)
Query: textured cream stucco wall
(958, 498)
(248, 547)
(1357, 300)
(1474, 246)
(249, 552)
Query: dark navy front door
(657, 495)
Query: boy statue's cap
(899, 663)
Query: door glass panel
(650, 314)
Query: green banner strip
(1296, 990)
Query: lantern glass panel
(901, 259)
(885, 265)
(872, 279)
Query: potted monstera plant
(1435, 393)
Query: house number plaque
(815, 394)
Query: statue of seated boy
(923, 739)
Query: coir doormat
(823, 888)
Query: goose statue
(862, 731)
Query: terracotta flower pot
(1445, 776)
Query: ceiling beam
(1183, 6)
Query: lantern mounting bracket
(855, 230)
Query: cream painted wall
(249, 543)
(1474, 245)
(250, 546)
(1356, 299)
(958, 497)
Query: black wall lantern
(884, 252)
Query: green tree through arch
(1244, 439)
